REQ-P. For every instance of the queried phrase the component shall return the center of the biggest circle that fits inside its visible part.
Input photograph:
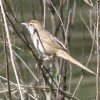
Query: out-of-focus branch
(98, 52)
(89, 2)
(10, 47)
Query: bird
(48, 45)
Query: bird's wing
(47, 38)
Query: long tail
(66, 56)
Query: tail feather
(66, 56)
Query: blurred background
(76, 24)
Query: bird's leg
(47, 62)
(39, 60)
(48, 58)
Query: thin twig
(26, 66)
(81, 78)
(67, 28)
(10, 47)
(44, 13)
(57, 14)
(90, 3)
(7, 65)
(98, 54)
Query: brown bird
(47, 44)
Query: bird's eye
(31, 24)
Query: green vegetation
(79, 48)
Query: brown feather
(46, 37)
(63, 54)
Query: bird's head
(32, 25)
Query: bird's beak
(26, 24)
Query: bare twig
(26, 66)
(98, 54)
(90, 31)
(7, 65)
(57, 14)
(90, 3)
(44, 13)
(10, 47)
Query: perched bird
(47, 44)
